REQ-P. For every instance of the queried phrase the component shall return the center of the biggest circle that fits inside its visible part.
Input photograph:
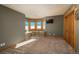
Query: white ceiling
(40, 10)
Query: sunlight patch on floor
(25, 42)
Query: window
(38, 24)
(44, 24)
(26, 25)
(35, 25)
(32, 25)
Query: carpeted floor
(43, 45)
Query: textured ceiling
(40, 10)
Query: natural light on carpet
(25, 42)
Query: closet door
(70, 27)
(66, 27)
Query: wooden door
(70, 26)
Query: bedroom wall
(56, 28)
(11, 27)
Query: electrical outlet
(2, 44)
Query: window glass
(38, 24)
(26, 25)
(32, 25)
(44, 24)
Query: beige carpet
(43, 45)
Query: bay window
(35, 25)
